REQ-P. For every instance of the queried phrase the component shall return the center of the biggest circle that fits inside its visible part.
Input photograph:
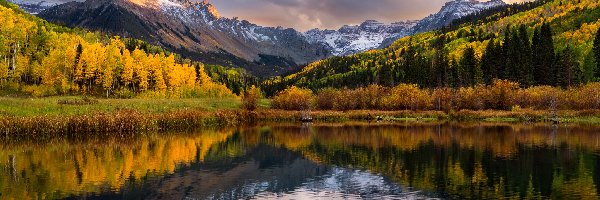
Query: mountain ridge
(349, 40)
(196, 30)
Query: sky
(323, 14)
(326, 14)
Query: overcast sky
(323, 14)
(330, 14)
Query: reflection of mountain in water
(264, 172)
(456, 161)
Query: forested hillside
(544, 43)
(44, 59)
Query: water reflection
(355, 160)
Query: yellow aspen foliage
(294, 98)
(140, 72)
(49, 62)
(156, 74)
(128, 68)
(203, 78)
(3, 70)
(408, 96)
(189, 75)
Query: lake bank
(129, 122)
(71, 116)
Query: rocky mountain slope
(451, 11)
(373, 35)
(197, 30)
(349, 40)
(35, 7)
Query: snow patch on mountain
(372, 34)
(354, 39)
(349, 39)
(453, 10)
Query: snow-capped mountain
(453, 10)
(35, 7)
(369, 35)
(194, 29)
(197, 30)
(372, 34)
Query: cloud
(323, 14)
(330, 14)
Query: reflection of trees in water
(263, 168)
(466, 162)
(62, 168)
(456, 160)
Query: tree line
(42, 59)
(550, 44)
(500, 95)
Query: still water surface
(317, 161)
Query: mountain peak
(211, 9)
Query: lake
(355, 160)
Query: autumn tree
(251, 98)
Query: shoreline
(128, 123)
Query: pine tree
(386, 77)
(453, 76)
(439, 69)
(489, 65)
(526, 66)
(439, 64)
(507, 55)
(538, 75)
(467, 66)
(596, 50)
(565, 70)
(543, 56)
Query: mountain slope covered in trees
(45, 59)
(194, 29)
(548, 43)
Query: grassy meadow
(77, 105)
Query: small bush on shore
(294, 98)
(326, 98)
(251, 98)
(407, 97)
(500, 95)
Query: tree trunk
(14, 56)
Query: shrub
(251, 98)
(124, 94)
(467, 98)
(372, 96)
(501, 94)
(326, 98)
(40, 90)
(347, 100)
(207, 90)
(442, 99)
(585, 97)
(407, 96)
(294, 98)
(538, 97)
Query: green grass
(412, 119)
(591, 120)
(502, 119)
(49, 106)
